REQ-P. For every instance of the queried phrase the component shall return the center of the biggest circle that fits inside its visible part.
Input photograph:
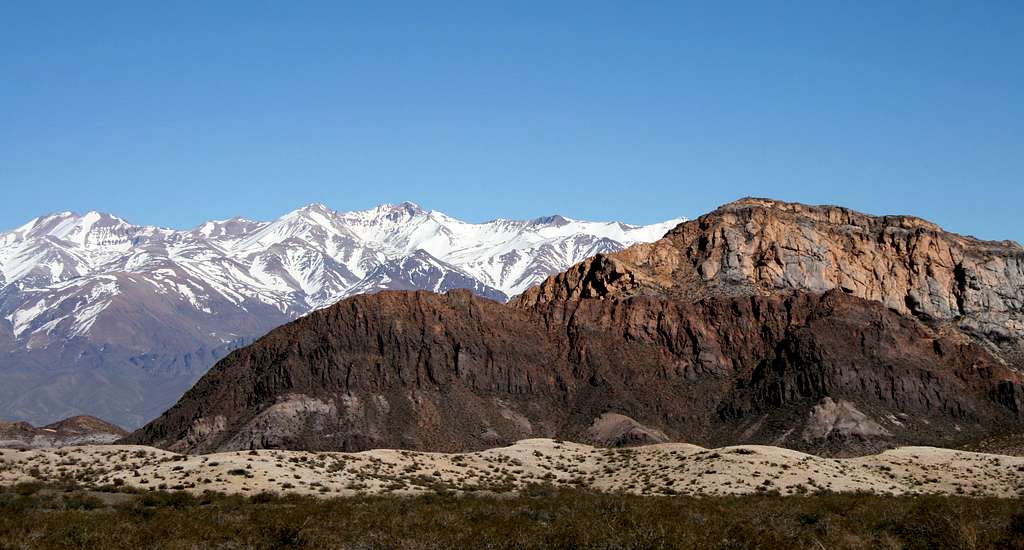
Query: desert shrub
(264, 497)
(539, 490)
(168, 499)
(29, 488)
(540, 516)
(82, 501)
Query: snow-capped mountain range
(100, 316)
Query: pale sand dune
(670, 468)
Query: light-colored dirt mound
(668, 468)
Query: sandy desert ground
(665, 469)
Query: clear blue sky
(175, 112)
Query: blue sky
(171, 113)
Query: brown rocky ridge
(811, 327)
(77, 430)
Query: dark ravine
(814, 328)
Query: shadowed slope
(455, 372)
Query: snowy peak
(313, 250)
(315, 214)
(556, 220)
(308, 258)
(68, 226)
(226, 229)
(43, 225)
(401, 211)
(92, 289)
(422, 271)
(92, 230)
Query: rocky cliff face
(816, 328)
(761, 246)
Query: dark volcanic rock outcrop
(399, 369)
(817, 328)
(454, 372)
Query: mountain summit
(100, 316)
